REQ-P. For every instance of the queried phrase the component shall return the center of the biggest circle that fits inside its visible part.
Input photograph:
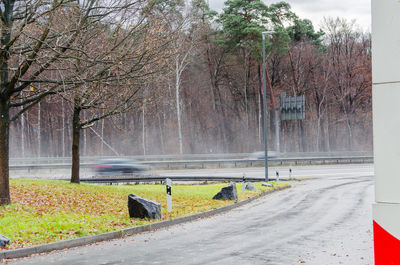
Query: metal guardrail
(215, 163)
(161, 179)
(88, 159)
(208, 156)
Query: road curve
(321, 221)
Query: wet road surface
(323, 221)
(302, 171)
(315, 171)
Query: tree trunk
(301, 136)
(260, 104)
(273, 117)
(327, 134)
(102, 136)
(350, 133)
(348, 126)
(296, 87)
(29, 134)
(22, 134)
(178, 107)
(160, 128)
(246, 103)
(252, 108)
(76, 133)
(5, 37)
(4, 152)
(323, 144)
(144, 126)
(39, 130)
(226, 128)
(271, 129)
(217, 110)
(63, 128)
(84, 138)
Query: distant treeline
(194, 84)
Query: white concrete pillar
(386, 118)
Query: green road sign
(292, 108)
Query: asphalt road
(316, 171)
(326, 220)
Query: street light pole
(265, 105)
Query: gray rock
(140, 207)
(250, 186)
(4, 241)
(268, 185)
(227, 193)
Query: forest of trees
(145, 77)
(211, 65)
(213, 69)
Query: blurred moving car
(261, 155)
(119, 167)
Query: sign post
(168, 183)
(244, 183)
(264, 82)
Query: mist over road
(326, 220)
(314, 171)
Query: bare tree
(30, 44)
(349, 56)
(39, 37)
(184, 48)
(119, 62)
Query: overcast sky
(315, 10)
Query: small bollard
(168, 183)
(244, 183)
(290, 173)
(277, 176)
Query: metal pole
(265, 108)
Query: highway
(297, 171)
(323, 220)
(59, 168)
(256, 172)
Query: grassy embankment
(44, 211)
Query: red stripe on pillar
(387, 247)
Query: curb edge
(81, 241)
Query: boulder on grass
(227, 193)
(268, 185)
(250, 186)
(4, 241)
(140, 207)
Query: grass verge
(44, 211)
